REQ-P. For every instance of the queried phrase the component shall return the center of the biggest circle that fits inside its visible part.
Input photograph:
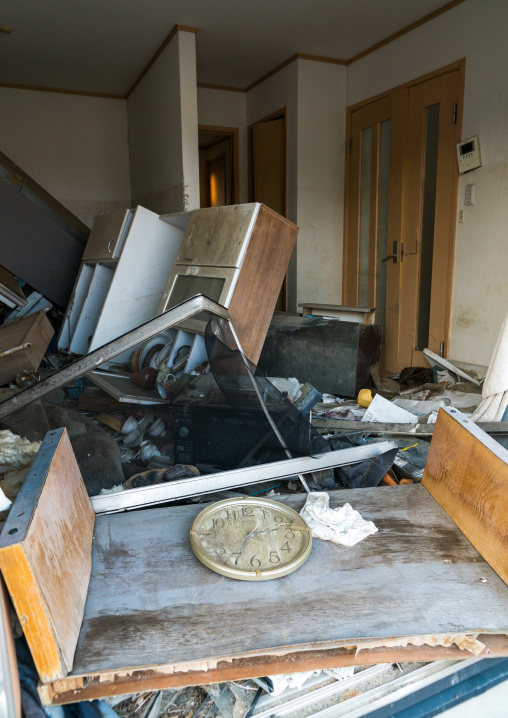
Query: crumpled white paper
(342, 525)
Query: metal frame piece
(109, 351)
(211, 483)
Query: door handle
(397, 253)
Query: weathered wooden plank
(467, 473)
(72, 689)
(45, 555)
(260, 279)
(151, 602)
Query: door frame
(398, 225)
(234, 142)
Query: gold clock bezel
(254, 575)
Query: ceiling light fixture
(5, 30)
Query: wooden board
(467, 473)
(123, 390)
(45, 555)
(72, 689)
(151, 602)
(260, 279)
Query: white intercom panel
(468, 154)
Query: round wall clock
(251, 539)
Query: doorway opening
(401, 207)
(218, 166)
(267, 148)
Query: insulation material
(343, 525)
(16, 452)
(466, 642)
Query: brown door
(401, 209)
(269, 173)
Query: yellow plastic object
(364, 397)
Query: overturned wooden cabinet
(237, 256)
(106, 612)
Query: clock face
(251, 539)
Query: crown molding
(227, 88)
(405, 30)
(62, 91)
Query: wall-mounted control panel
(468, 154)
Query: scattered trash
(436, 360)
(383, 410)
(365, 398)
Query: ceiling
(101, 46)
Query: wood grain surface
(45, 555)
(467, 473)
(151, 602)
(260, 279)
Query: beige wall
(476, 30)
(73, 146)
(163, 131)
(320, 180)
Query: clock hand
(246, 542)
(255, 533)
(273, 528)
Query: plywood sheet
(260, 279)
(45, 555)
(467, 473)
(151, 602)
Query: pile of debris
(173, 414)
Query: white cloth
(342, 525)
(495, 386)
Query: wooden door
(429, 218)
(401, 207)
(269, 173)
